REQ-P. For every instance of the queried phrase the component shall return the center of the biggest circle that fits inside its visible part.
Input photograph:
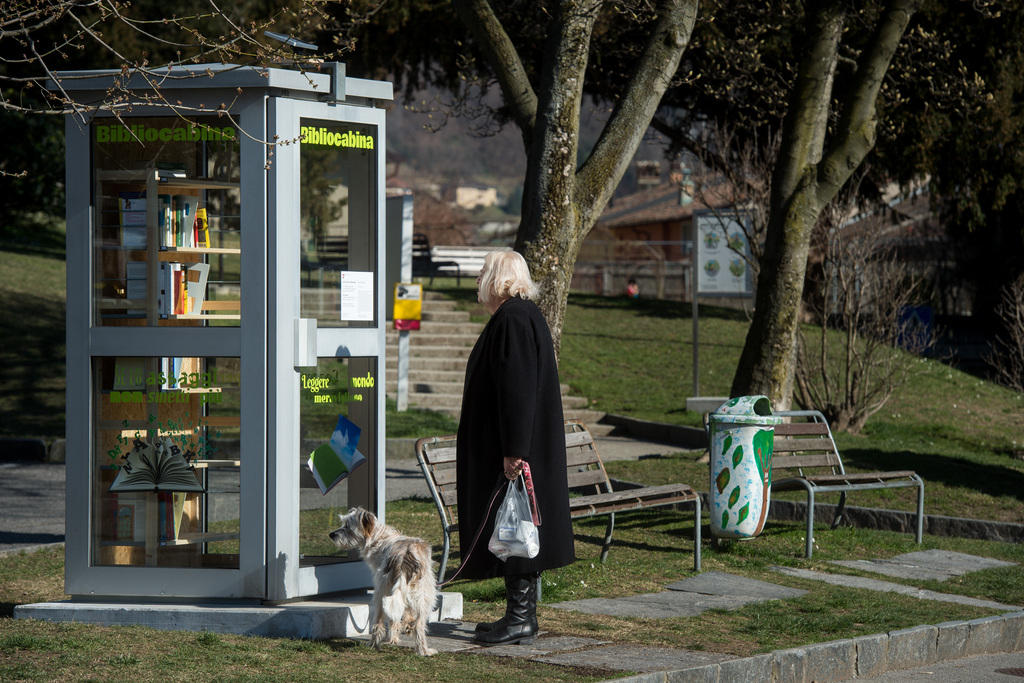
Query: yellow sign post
(408, 306)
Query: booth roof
(206, 76)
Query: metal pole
(402, 390)
(693, 301)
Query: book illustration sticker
(335, 460)
(156, 467)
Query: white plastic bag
(515, 534)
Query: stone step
(436, 351)
(455, 377)
(451, 404)
(448, 316)
(591, 418)
(431, 339)
(426, 363)
(452, 382)
(442, 395)
(438, 327)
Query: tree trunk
(807, 177)
(562, 202)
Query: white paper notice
(356, 295)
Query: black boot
(519, 625)
(485, 626)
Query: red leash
(534, 510)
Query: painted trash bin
(741, 434)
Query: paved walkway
(880, 657)
(33, 491)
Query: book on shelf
(178, 220)
(171, 507)
(195, 286)
(129, 510)
(185, 206)
(129, 517)
(332, 462)
(159, 466)
(135, 283)
(169, 170)
(202, 228)
(132, 213)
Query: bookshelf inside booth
(167, 233)
(173, 261)
(191, 404)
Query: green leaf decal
(737, 456)
(764, 441)
(734, 496)
(722, 480)
(725, 519)
(742, 514)
(726, 443)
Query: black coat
(512, 407)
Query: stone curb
(861, 657)
(678, 435)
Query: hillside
(434, 145)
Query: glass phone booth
(225, 334)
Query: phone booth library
(225, 334)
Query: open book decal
(155, 467)
(333, 461)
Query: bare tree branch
(857, 121)
(503, 57)
(600, 174)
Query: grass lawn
(651, 549)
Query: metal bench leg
(696, 534)
(810, 524)
(840, 509)
(608, 537)
(444, 558)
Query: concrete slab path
(889, 587)
(937, 565)
(686, 598)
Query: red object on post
(407, 324)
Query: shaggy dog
(404, 588)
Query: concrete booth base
(343, 616)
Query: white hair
(505, 275)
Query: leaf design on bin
(742, 514)
(737, 455)
(722, 480)
(726, 442)
(734, 496)
(764, 442)
(725, 519)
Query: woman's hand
(513, 466)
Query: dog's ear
(367, 520)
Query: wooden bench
(423, 263)
(804, 443)
(436, 456)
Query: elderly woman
(512, 414)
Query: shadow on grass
(32, 367)
(654, 308)
(992, 480)
(36, 234)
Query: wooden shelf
(177, 254)
(204, 316)
(208, 537)
(214, 464)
